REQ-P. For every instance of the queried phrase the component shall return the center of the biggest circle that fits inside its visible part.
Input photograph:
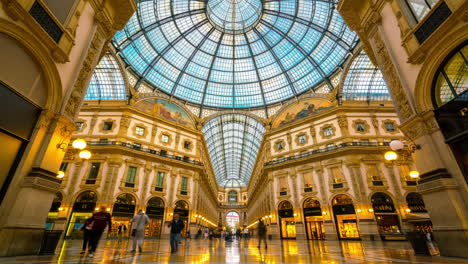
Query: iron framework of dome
(233, 141)
(234, 53)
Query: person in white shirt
(139, 222)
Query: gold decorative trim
(322, 130)
(145, 130)
(298, 143)
(101, 126)
(366, 126)
(395, 126)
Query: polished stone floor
(217, 251)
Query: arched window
(125, 198)
(155, 207)
(182, 205)
(452, 78)
(85, 202)
(285, 205)
(156, 202)
(311, 203)
(342, 199)
(86, 197)
(232, 197)
(382, 203)
(419, 8)
(107, 82)
(364, 81)
(416, 203)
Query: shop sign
(383, 208)
(84, 207)
(286, 213)
(124, 208)
(343, 209)
(313, 211)
(155, 210)
(181, 212)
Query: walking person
(100, 220)
(121, 231)
(262, 233)
(139, 222)
(176, 225)
(86, 228)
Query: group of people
(95, 226)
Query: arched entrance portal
(286, 216)
(345, 217)
(386, 216)
(182, 208)
(232, 220)
(123, 211)
(314, 219)
(83, 209)
(155, 211)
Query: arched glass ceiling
(107, 82)
(233, 141)
(364, 81)
(235, 54)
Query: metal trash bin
(50, 241)
(419, 243)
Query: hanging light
(414, 174)
(60, 174)
(79, 143)
(390, 155)
(85, 154)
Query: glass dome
(234, 53)
(107, 82)
(233, 141)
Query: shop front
(155, 211)
(122, 213)
(182, 208)
(313, 219)
(287, 221)
(418, 215)
(83, 209)
(53, 212)
(386, 217)
(345, 217)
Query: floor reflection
(243, 251)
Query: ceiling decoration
(233, 142)
(234, 53)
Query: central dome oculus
(234, 16)
(234, 53)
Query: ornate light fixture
(414, 174)
(390, 155)
(79, 144)
(85, 155)
(60, 174)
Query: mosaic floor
(217, 251)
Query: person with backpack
(262, 233)
(100, 220)
(139, 222)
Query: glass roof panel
(233, 142)
(107, 82)
(234, 53)
(364, 81)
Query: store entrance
(83, 209)
(182, 208)
(345, 217)
(313, 219)
(287, 222)
(155, 211)
(386, 217)
(122, 213)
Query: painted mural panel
(300, 110)
(165, 109)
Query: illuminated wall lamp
(85, 155)
(79, 144)
(408, 210)
(390, 155)
(61, 209)
(324, 213)
(359, 210)
(60, 174)
(414, 174)
(370, 210)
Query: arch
(86, 196)
(382, 202)
(415, 202)
(285, 205)
(125, 198)
(342, 199)
(332, 198)
(181, 204)
(107, 81)
(41, 54)
(363, 81)
(390, 195)
(446, 76)
(156, 201)
(426, 76)
(233, 215)
(311, 203)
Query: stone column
(113, 167)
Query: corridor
(217, 251)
